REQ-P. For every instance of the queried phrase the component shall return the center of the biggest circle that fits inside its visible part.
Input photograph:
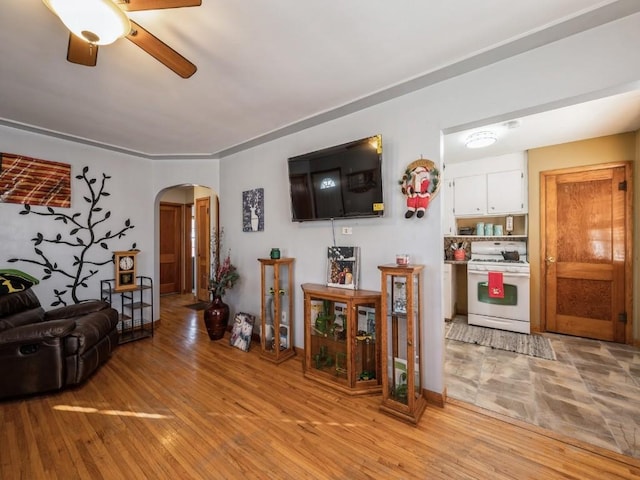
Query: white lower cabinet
(449, 291)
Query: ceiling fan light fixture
(480, 139)
(100, 22)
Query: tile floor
(591, 392)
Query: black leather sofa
(43, 351)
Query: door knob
(549, 260)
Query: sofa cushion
(37, 332)
(12, 280)
(76, 310)
(20, 308)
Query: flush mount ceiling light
(480, 139)
(99, 22)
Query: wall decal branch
(86, 232)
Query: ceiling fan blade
(81, 52)
(161, 51)
(137, 5)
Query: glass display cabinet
(341, 338)
(276, 333)
(400, 342)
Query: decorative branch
(83, 236)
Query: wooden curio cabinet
(400, 342)
(341, 338)
(276, 333)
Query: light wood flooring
(180, 406)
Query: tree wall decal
(85, 233)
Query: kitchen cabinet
(448, 291)
(495, 193)
(470, 195)
(505, 192)
(448, 217)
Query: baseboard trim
(436, 399)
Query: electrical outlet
(346, 231)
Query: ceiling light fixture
(99, 22)
(480, 139)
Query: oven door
(514, 305)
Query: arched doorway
(185, 215)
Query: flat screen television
(344, 181)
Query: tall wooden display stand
(276, 333)
(401, 345)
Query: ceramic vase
(216, 318)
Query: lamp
(99, 22)
(480, 139)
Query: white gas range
(498, 289)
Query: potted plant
(224, 277)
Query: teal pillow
(12, 281)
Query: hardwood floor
(182, 406)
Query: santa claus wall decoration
(420, 184)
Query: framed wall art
(253, 210)
(31, 181)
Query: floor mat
(198, 306)
(534, 345)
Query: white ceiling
(267, 68)
(596, 118)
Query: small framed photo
(241, 331)
(343, 267)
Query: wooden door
(188, 222)
(586, 235)
(203, 247)
(170, 247)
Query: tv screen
(344, 181)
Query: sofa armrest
(76, 310)
(37, 332)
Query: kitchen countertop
(457, 262)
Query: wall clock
(126, 270)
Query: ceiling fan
(101, 22)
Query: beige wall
(613, 148)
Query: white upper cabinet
(489, 186)
(470, 195)
(505, 192)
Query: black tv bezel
(333, 150)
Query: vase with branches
(224, 275)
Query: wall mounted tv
(344, 181)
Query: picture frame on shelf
(343, 267)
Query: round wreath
(434, 174)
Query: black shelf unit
(136, 306)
